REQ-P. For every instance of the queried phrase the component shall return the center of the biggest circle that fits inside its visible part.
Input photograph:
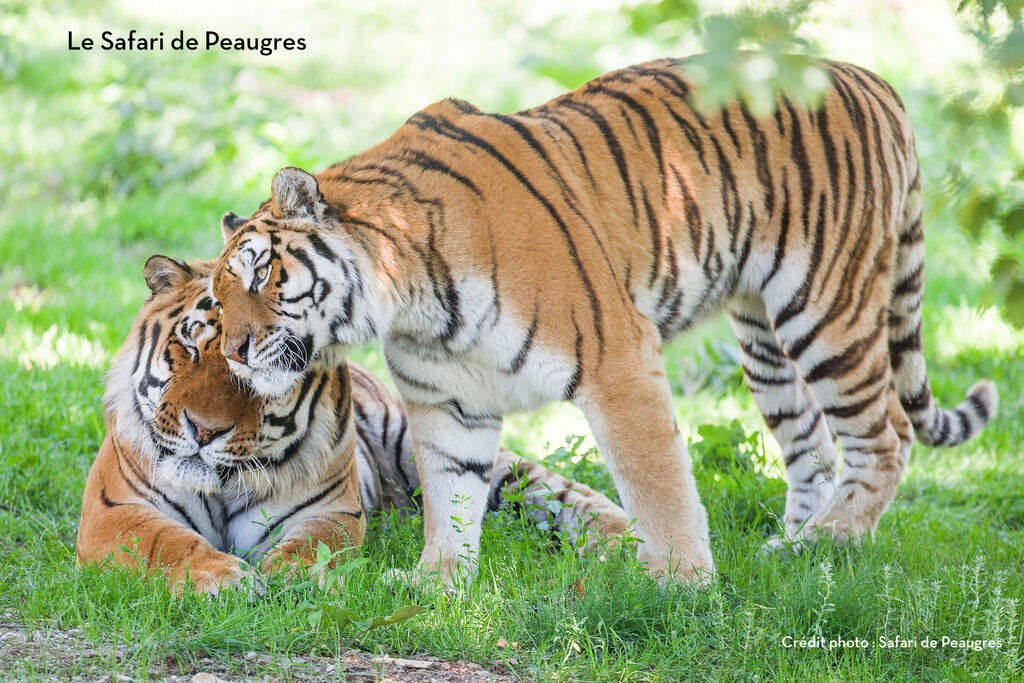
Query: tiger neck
(397, 237)
(305, 437)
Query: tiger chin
(511, 260)
(201, 479)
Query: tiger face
(183, 405)
(291, 292)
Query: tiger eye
(261, 272)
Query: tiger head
(290, 287)
(170, 393)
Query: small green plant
(574, 462)
(731, 468)
(319, 586)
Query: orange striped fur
(197, 473)
(511, 260)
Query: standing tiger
(511, 260)
(200, 471)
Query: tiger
(506, 261)
(197, 474)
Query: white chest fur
(492, 364)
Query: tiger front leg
(115, 518)
(162, 546)
(454, 451)
(629, 407)
(337, 530)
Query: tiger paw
(418, 580)
(840, 522)
(226, 574)
(782, 544)
(697, 570)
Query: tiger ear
(164, 272)
(230, 223)
(296, 193)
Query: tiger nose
(240, 354)
(202, 434)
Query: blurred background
(108, 157)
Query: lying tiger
(511, 260)
(202, 472)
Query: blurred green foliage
(993, 101)
(782, 62)
(984, 110)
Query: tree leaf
(976, 212)
(1014, 305)
(1013, 222)
(1004, 271)
(399, 615)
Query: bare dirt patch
(69, 655)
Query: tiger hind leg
(589, 519)
(791, 413)
(848, 372)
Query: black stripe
(830, 160)
(574, 381)
(106, 501)
(548, 116)
(651, 130)
(853, 409)
(848, 360)
(692, 211)
(750, 347)
(429, 163)
(407, 379)
(911, 342)
(919, 401)
(764, 175)
(798, 152)
(773, 420)
(730, 194)
(911, 284)
(652, 224)
(979, 407)
(726, 114)
(278, 523)
(809, 431)
(524, 349)
(965, 425)
(145, 482)
(470, 420)
(613, 147)
(749, 321)
(691, 135)
(766, 379)
(294, 447)
(460, 467)
(783, 233)
(446, 128)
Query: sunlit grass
(51, 348)
(109, 158)
(963, 327)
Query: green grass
(107, 160)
